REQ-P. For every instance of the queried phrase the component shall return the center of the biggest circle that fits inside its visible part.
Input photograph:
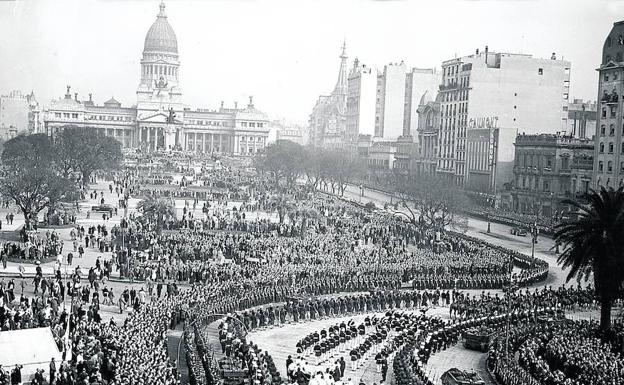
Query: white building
(160, 119)
(361, 93)
(486, 100)
(399, 91)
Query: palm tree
(593, 244)
(156, 210)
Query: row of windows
(533, 183)
(209, 123)
(66, 115)
(613, 76)
(603, 129)
(252, 124)
(611, 148)
(110, 117)
(612, 112)
(609, 166)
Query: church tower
(159, 87)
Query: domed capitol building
(160, 120)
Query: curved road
(499, 234)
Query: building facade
(609, 147)
(19, 113)
(292, 132)
(398, 94)
(361, 94)
(427, 132)
(547, 169)
(486, 99)
(160, 120)
(328, 120)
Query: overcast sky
(284, 53)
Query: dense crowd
(559, 353)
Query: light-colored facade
(328, 120)
(390, 106)
(160, 119)
(399, 90)
(19, 113)
(361, 94)
(486, 99)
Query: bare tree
(431, 201)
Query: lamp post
(488, 222)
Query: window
(610, 147)
(604, 112)
(57, 114)
(549, 162)
(602, 148)
(75, 116)
(546, 186)
(613, 109)
(603, 129)
(606, 77)
(600, 165)
(540, 71)
(610, 166)
(612, 129)
(621, 166)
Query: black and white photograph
(312, 192)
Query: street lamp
(488, 222)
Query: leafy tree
(82, 150)
(30, 176)
(592, 244)
(432, 201)
(284, 159)
(156, 210)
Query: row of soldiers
(297, 310)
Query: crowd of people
(278, 257)
(561, 352)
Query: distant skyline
(283, 52)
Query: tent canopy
(31, 348)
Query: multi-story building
(328, 120)
(160, 119)
(292, 132)
(582, 118)
(361, 94)
(486, 98)
(547, 169)
(19, 113)
(398, 91)
(609, 146)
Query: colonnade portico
(153, 136)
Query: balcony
(609, 99)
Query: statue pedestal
(170, 134)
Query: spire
(341, 84)
(162, 10)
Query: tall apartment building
(361, 94)
(609, 149)
(486, 99)
(398, 94)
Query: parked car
(519, 231)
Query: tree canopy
(592, 244)
(30, 176)
(81, 150)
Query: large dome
(160, 37)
